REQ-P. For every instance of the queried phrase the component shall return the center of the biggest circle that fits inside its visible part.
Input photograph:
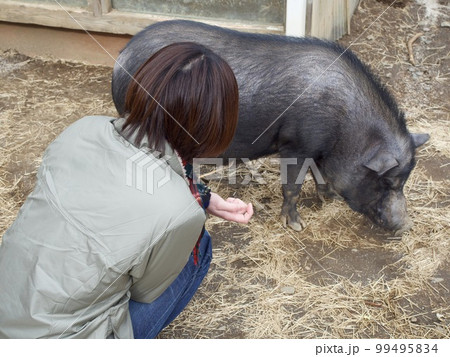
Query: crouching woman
(111, 242)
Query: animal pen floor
(338, 278)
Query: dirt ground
(338, 278)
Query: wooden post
(308, 18)
(99, 7)
(348, 16)
(295, 17)
(96, 7)
(106, 6)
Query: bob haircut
(187, 95)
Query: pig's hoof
(296, 226)
(321, 197)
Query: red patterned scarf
(202, 194)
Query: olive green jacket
(106, 222)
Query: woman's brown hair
(185, 94)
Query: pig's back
(269, 61)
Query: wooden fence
(320, 18)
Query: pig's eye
(387, 181)
(392, 182)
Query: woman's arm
(231, 209)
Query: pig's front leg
(291, 191)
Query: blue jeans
(149, 319)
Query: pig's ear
(419, 139)
(382, 162)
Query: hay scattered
(410, 49)
(39, 98)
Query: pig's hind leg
(325, 192)
(291, 192)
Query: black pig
(303, 98)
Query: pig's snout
(407, 225)
(393, 215)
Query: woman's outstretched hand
(231, 209)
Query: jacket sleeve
(162, 263)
